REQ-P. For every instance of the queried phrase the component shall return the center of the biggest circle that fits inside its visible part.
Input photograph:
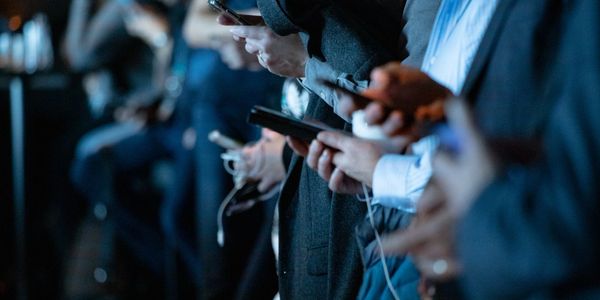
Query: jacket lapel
(487, 46)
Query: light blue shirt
(399, 180)
(457, 32)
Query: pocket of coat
(317, 260)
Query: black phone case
(248, 192)
(283, 124)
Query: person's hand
(148, 25)
(402, 96)
(281, 55)
(430, 238)
(234, 55)
(354, 157)
(299, 146)
(463, 175)
(457, 180)
(262, 161)
(408, 90)
(392, 122)
(320, 159)
(338, 181)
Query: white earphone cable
(386, 272)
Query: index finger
(298, 146)
(226, 20)
(334, 139)
(375, 113)
(346, 105)
(247, 32)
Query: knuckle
(333, 186)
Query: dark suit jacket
(318, 253)
(533, 233)
(353, 36)
(318, 257)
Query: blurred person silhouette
(257, 170)
(264, 163)
(96, 34)
(150, 126)
(224, 97)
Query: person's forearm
(92, 45)
(77, 25)
(162, 61)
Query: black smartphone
(222, 8)
(284, 124)
(249, 191)
(360, 100)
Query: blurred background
(104, 110)
(54, 116)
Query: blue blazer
(534, 232)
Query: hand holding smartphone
(439, 127)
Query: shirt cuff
(391, 172)
(316, 70)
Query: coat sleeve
(290, 16)
(535, 229)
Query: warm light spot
(14, 23)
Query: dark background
(55, 116)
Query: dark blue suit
(533, 233)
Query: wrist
(370, 170)
(302, 68)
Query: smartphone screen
(222, 8)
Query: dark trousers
(121, 150)
(221, 267)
